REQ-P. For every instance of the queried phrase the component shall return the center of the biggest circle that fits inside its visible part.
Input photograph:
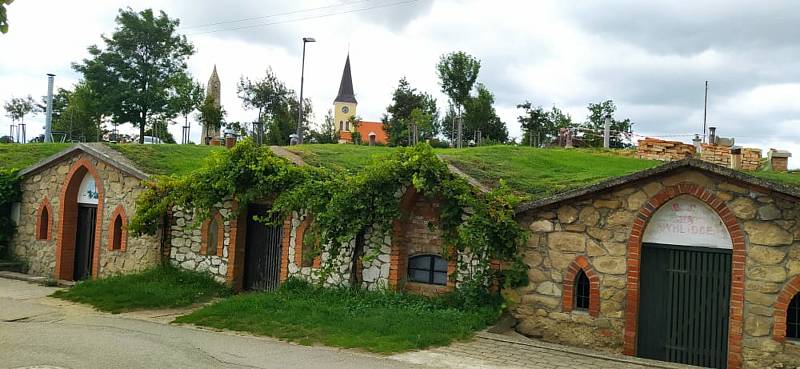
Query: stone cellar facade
(633, 264)
(687, 262)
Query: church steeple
(346, 94)
(214, 87)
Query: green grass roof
(534, 172)
(166, 159)
(20, 156)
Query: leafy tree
(18, 107)
(479, 115)
(4, 15)
(405, 100)
(81, 117)
(596, 123)
(210, 115)
(457, 73)
(327, 131)
(188, 96)
(238, 128)
(355, 122)
(277, 106)
(138, 73)
(159, 129)
(537, 127)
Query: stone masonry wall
(598, 228)
(186, 238)
(120, 189)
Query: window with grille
(430, 269)
(581, 291)
(213, 234)
(793, 318)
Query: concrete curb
(44, 281)
(578, 351)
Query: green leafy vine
(342, 204)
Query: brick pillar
(779, 160)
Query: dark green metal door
(684, 303)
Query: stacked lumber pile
(717, 154)
(656, 149)
(751, 159)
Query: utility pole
(300, 106)
(705, 112)
(48, 122)
(460, 129)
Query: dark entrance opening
(262, 254)
(684, 304)
(84, 241)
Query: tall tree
(480, 115)
(18, 107)
(537, 127)
(210, 115)
(189, 95)
(137, 74)
(457, 73)
(77, 113)
(398, 116)
(277, 106)
(326, 134)
(4, 15)
(596, 122)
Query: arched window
(212, 233)
(793, 318)
(430, 269)
(43, 230)
(347, 125)
(117, 230)
(341, 125)
(116, 240)
(582, 291)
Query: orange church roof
(366, 129)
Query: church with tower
(348, 129)
(212, 135)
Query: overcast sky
(651, 58)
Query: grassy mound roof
(21, 156)
(166, 159)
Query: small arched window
(793, 318)
(116, 242)
(43, 231)
(212, 234)
(582, 296)
(117, 231)
(347, 126)
(341, 125)
(430, 269)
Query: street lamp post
(300, 106)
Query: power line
(309, 17)
(274, 15)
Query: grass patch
(538, 172)
(160, 287)
(19, 156)
(166, 159)
(382, 322)
(791, 178)
(341, 157)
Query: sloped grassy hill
(20, 156)
(166, 159)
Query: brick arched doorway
(68, 220)
(734, 349)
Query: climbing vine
(9, 193)
(343, 205)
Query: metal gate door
(684, 304)
(84, 242)
(262, 255)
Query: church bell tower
(344, 106)
(213, 92)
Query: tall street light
(300, 107)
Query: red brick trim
(68, 220)
(236, 247)
(119, 211)
(568, 294)
(287, 235)
(781, 306)
(737, 272)
(47, 232)
(298, 242)
(204, 241)
(398, 256)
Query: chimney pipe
(712, 135)
(48, 122)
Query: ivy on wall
(481, 224)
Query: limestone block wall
(186, 242)
(656, 149)
(120, 189)
(598, 228)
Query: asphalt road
(41, 332)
